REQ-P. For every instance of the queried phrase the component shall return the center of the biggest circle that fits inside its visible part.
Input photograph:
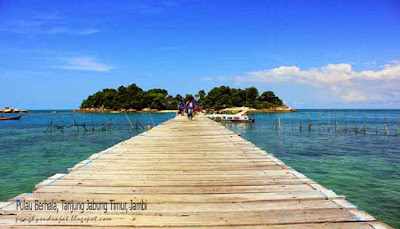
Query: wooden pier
(186, 174)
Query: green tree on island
(133, 97)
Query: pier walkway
(184, 174)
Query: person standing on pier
(190, 107)
(181, 107)
(196, 107)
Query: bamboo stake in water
(92, 124)
(278, 124)
(301, 126)
(129, 120)
(376, 123)
(336, 127)
(119, 121)
(397, 124)
(329, 121)
(385, 126)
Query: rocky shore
(105, 110)
(275, 109)
(264, 110)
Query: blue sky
(313, 54)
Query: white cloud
(353, 95)
(64, 30)
(87, 31)
(84, 64)
(45, 24)
(340, 79)
(331, 73)
(217, 78)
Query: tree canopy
(223, 97)
(133, 97)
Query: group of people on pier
(191, 107)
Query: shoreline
(122, 111)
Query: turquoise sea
(356, 153)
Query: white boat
(239, 117)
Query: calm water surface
(363, 167)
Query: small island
(135, 99)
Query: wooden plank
(177, 190)
(182, 208)
(272, 217)
(182, 198)
(147, 183)
(346, 225)
(122, 171)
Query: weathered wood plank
(177, 189)
(347, 225)
(272, 217)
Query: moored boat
(2, 118)
(240, 117)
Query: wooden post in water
(329, 121)
(119, 121)
(336, 124)
(62, 123)
(278, 124)
(376, 123)
(129, 120)
(300, 126)
(384, 124)
(151, 118)
(387, 132)
(309, 125)
(136, 122)
(319, 124)
(364, 124)
(355, 122)
(92, 123)
(397, 124)
(84, 123)
(50, 126)
(74, 124)
(362, 128)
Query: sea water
(336, 152)
(365, 167)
